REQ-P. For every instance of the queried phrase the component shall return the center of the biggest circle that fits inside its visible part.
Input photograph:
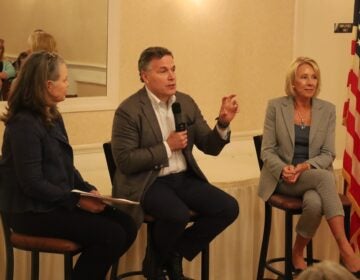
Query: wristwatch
(221, 124)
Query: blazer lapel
(287, 109)
(316, 112)
(59, 134)
(150, 114)
(56, 132)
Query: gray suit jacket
(138, 149)
(279, 137)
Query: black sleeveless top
(301, 151)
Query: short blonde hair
(326, 270)
(290, 75)
(39, 40)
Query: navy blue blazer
(36, 169)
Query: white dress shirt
(165, 117)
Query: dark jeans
(169, 200)
(104, 237)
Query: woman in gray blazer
(298, 149)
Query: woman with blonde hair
(298, 150)
(40, 40)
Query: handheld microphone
(179, 124)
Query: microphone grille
(176, 108)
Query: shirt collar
(155, 101)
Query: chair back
(109, 160)
(6, 227)
(257, 142)
(8, 246)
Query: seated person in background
(155, 165)
(40, 40)
(20, 61)
(37, 173)
(7, 72)
(298, 149)
(326, 270)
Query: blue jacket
(36, 169)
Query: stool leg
(309, 253)
(347, 217)
(265, 242)
(9, 274)
(68, 266)
(149, 265)
(114, 269)
(205, 257)
(347, 211)
(288, 245)
(34, 265)
(9, 263)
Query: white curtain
(233, 254)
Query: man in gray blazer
(155, 164)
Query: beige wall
(228, 46)
(223, 46)
(220, 47)
(79, 28)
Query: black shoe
(158, 278)
(356, 274)
(152, 265)
(296, 271)
(174, 267)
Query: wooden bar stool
(149, 220)
(36, 245)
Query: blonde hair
(39, 40)
(291, 73)
(326, 270)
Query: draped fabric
(351, 119)
(234, 254)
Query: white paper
(105, 198)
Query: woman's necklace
(302, 122)
(301, 118)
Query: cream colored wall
(228, 46)
(223, 46)
(90, 89)
(79, 28)
(220, 47)
(315, 37)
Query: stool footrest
(269, 265)
(129, 274)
